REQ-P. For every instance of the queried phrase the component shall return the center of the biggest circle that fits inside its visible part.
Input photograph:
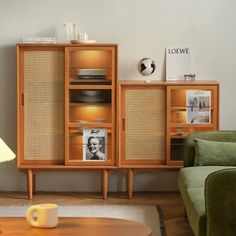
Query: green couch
(209, 191)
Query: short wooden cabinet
(155, 118)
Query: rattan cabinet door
(41, 86)
(143, 114)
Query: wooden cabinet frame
(167, 86)
(32, 166)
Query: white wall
(142, 29)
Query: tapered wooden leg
(105, 183)
(34, 183)
(130, 182)
(30, 183)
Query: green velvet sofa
(209, 190)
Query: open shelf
(90, 125)
(89, 86)
(177, 125)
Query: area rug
(150, 215)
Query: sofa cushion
(213, 153)
(194, 177)
(189, 145)
(191, 186)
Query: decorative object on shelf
(90, 96)
(98, 74)
(70, 31)
(95, 144)
(89, 41)
(39, 39)
(178, 62)
(189, 77)
(91, 76)
(146, 67)
(83, 38)
(6, 154)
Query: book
(178, 62)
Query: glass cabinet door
(90, 105)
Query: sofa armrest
(189, 148)
(220, 202)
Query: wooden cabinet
(155, 118)
(64, 92)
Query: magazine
(198, 107)
(94, 144)
(178, 62)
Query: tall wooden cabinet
(73, 114)
(65, 92)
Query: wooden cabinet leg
(130, 182)
(30, 183)
(34, 183)
(105, 183)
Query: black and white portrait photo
(95, 144)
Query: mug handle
(29, 216)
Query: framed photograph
(198, 107)
(95, 144)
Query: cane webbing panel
(145, 124)
(43, 105)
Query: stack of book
(39, 40)
(91, 76)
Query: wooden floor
(171, 204)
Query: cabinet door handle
(123, 124)
(22, 99)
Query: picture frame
(95, 144)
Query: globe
(146, 66)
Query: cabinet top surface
(66, 45)
(162, 82)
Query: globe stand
(148, 79)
